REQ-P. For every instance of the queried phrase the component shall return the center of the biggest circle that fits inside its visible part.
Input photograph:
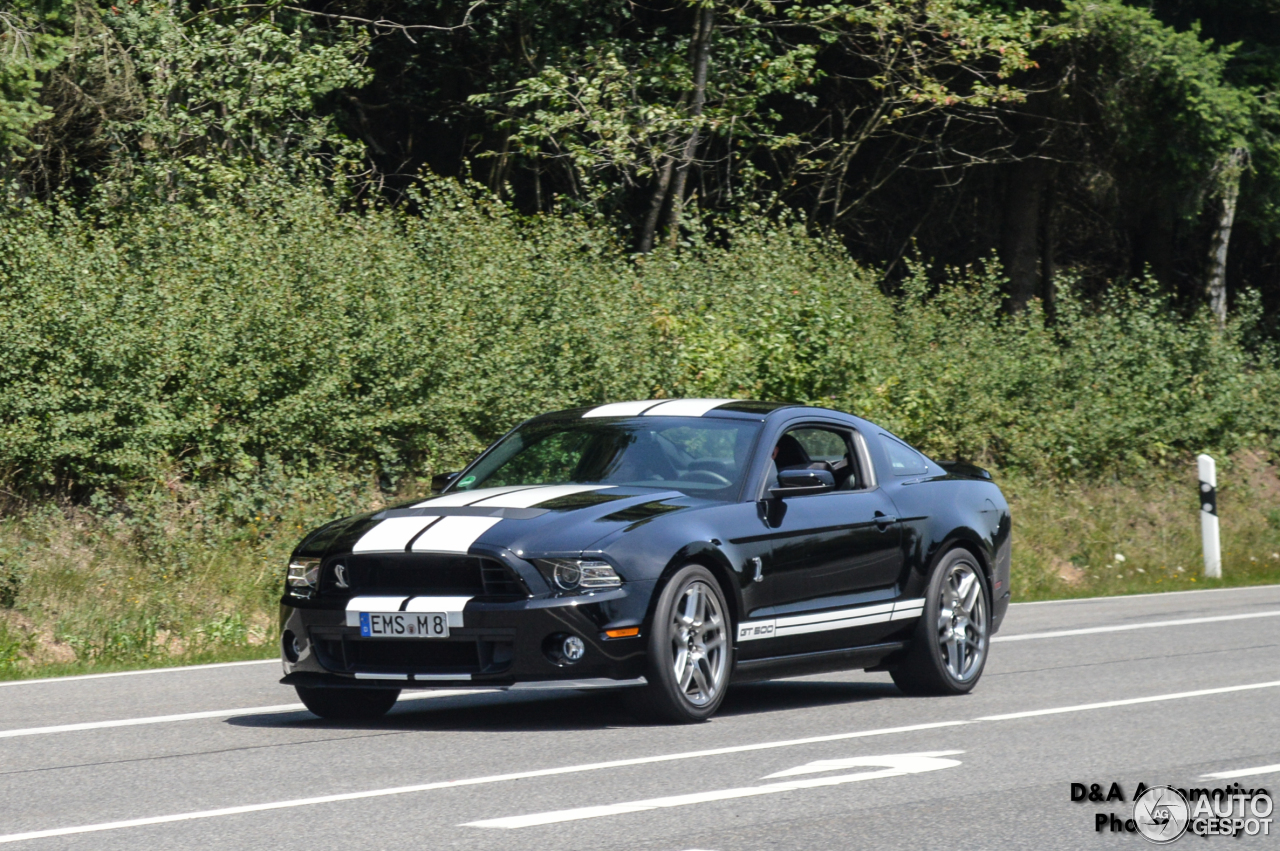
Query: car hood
(533, 521)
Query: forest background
(265, 264)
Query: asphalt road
(1162, 689)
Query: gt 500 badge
(754, 630)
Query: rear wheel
(348, 704)
(689, 650)
(949, 649)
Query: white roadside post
(1208, 494)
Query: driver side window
(817, 448)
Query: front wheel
(689, 650)
(949, 648)
(348, 704)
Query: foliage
(284, 337)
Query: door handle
(884, 521)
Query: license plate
(404, 625)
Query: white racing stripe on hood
(392, 536)
(453, 534)
(621, 409)
(537, 496)
(686, 407)
(457, 498)
(457, 534)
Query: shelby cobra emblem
(671, 547)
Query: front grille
(344, 654)
(426, 574)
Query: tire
(949, 649)
(690, 651)
(348, 704)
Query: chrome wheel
(698, 644)
(962, 622)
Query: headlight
(576, 574)
(303, 577)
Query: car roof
(746, 409)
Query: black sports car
(675, 546)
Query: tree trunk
(1216, 284)
(656, 202)
(1048, 247)
(701, 62)
(1019, 250)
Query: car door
(827, 562)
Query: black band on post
(1208, 499)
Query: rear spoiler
(964, 468)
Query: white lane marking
(453, 534)
(392, 535)
(895, 765)
(1063, 633)
(1242, 772)
(538, 495)
(177, 669)
(1122, 597)
(214, 713)
(494, 491)
(1082, 707)
(621, 409)
(453, 784)
(623, 763)
(686, 407)
(895, 760)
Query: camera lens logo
(1161, 814)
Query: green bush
(280, 343)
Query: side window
(812, 447)
(903, 460)
(822, 445)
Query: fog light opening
(573, 649)
(293, 646)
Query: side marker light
(628, 632)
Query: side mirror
(440, 481)
(802, 482)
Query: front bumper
(498, 645)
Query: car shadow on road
(572, 710)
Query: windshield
(699, 456)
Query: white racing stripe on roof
(686, 407)
(537, 496)
(622, 409)
(457, 498)
(453, 534)
(392, 536)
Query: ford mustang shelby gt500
(675, 546)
